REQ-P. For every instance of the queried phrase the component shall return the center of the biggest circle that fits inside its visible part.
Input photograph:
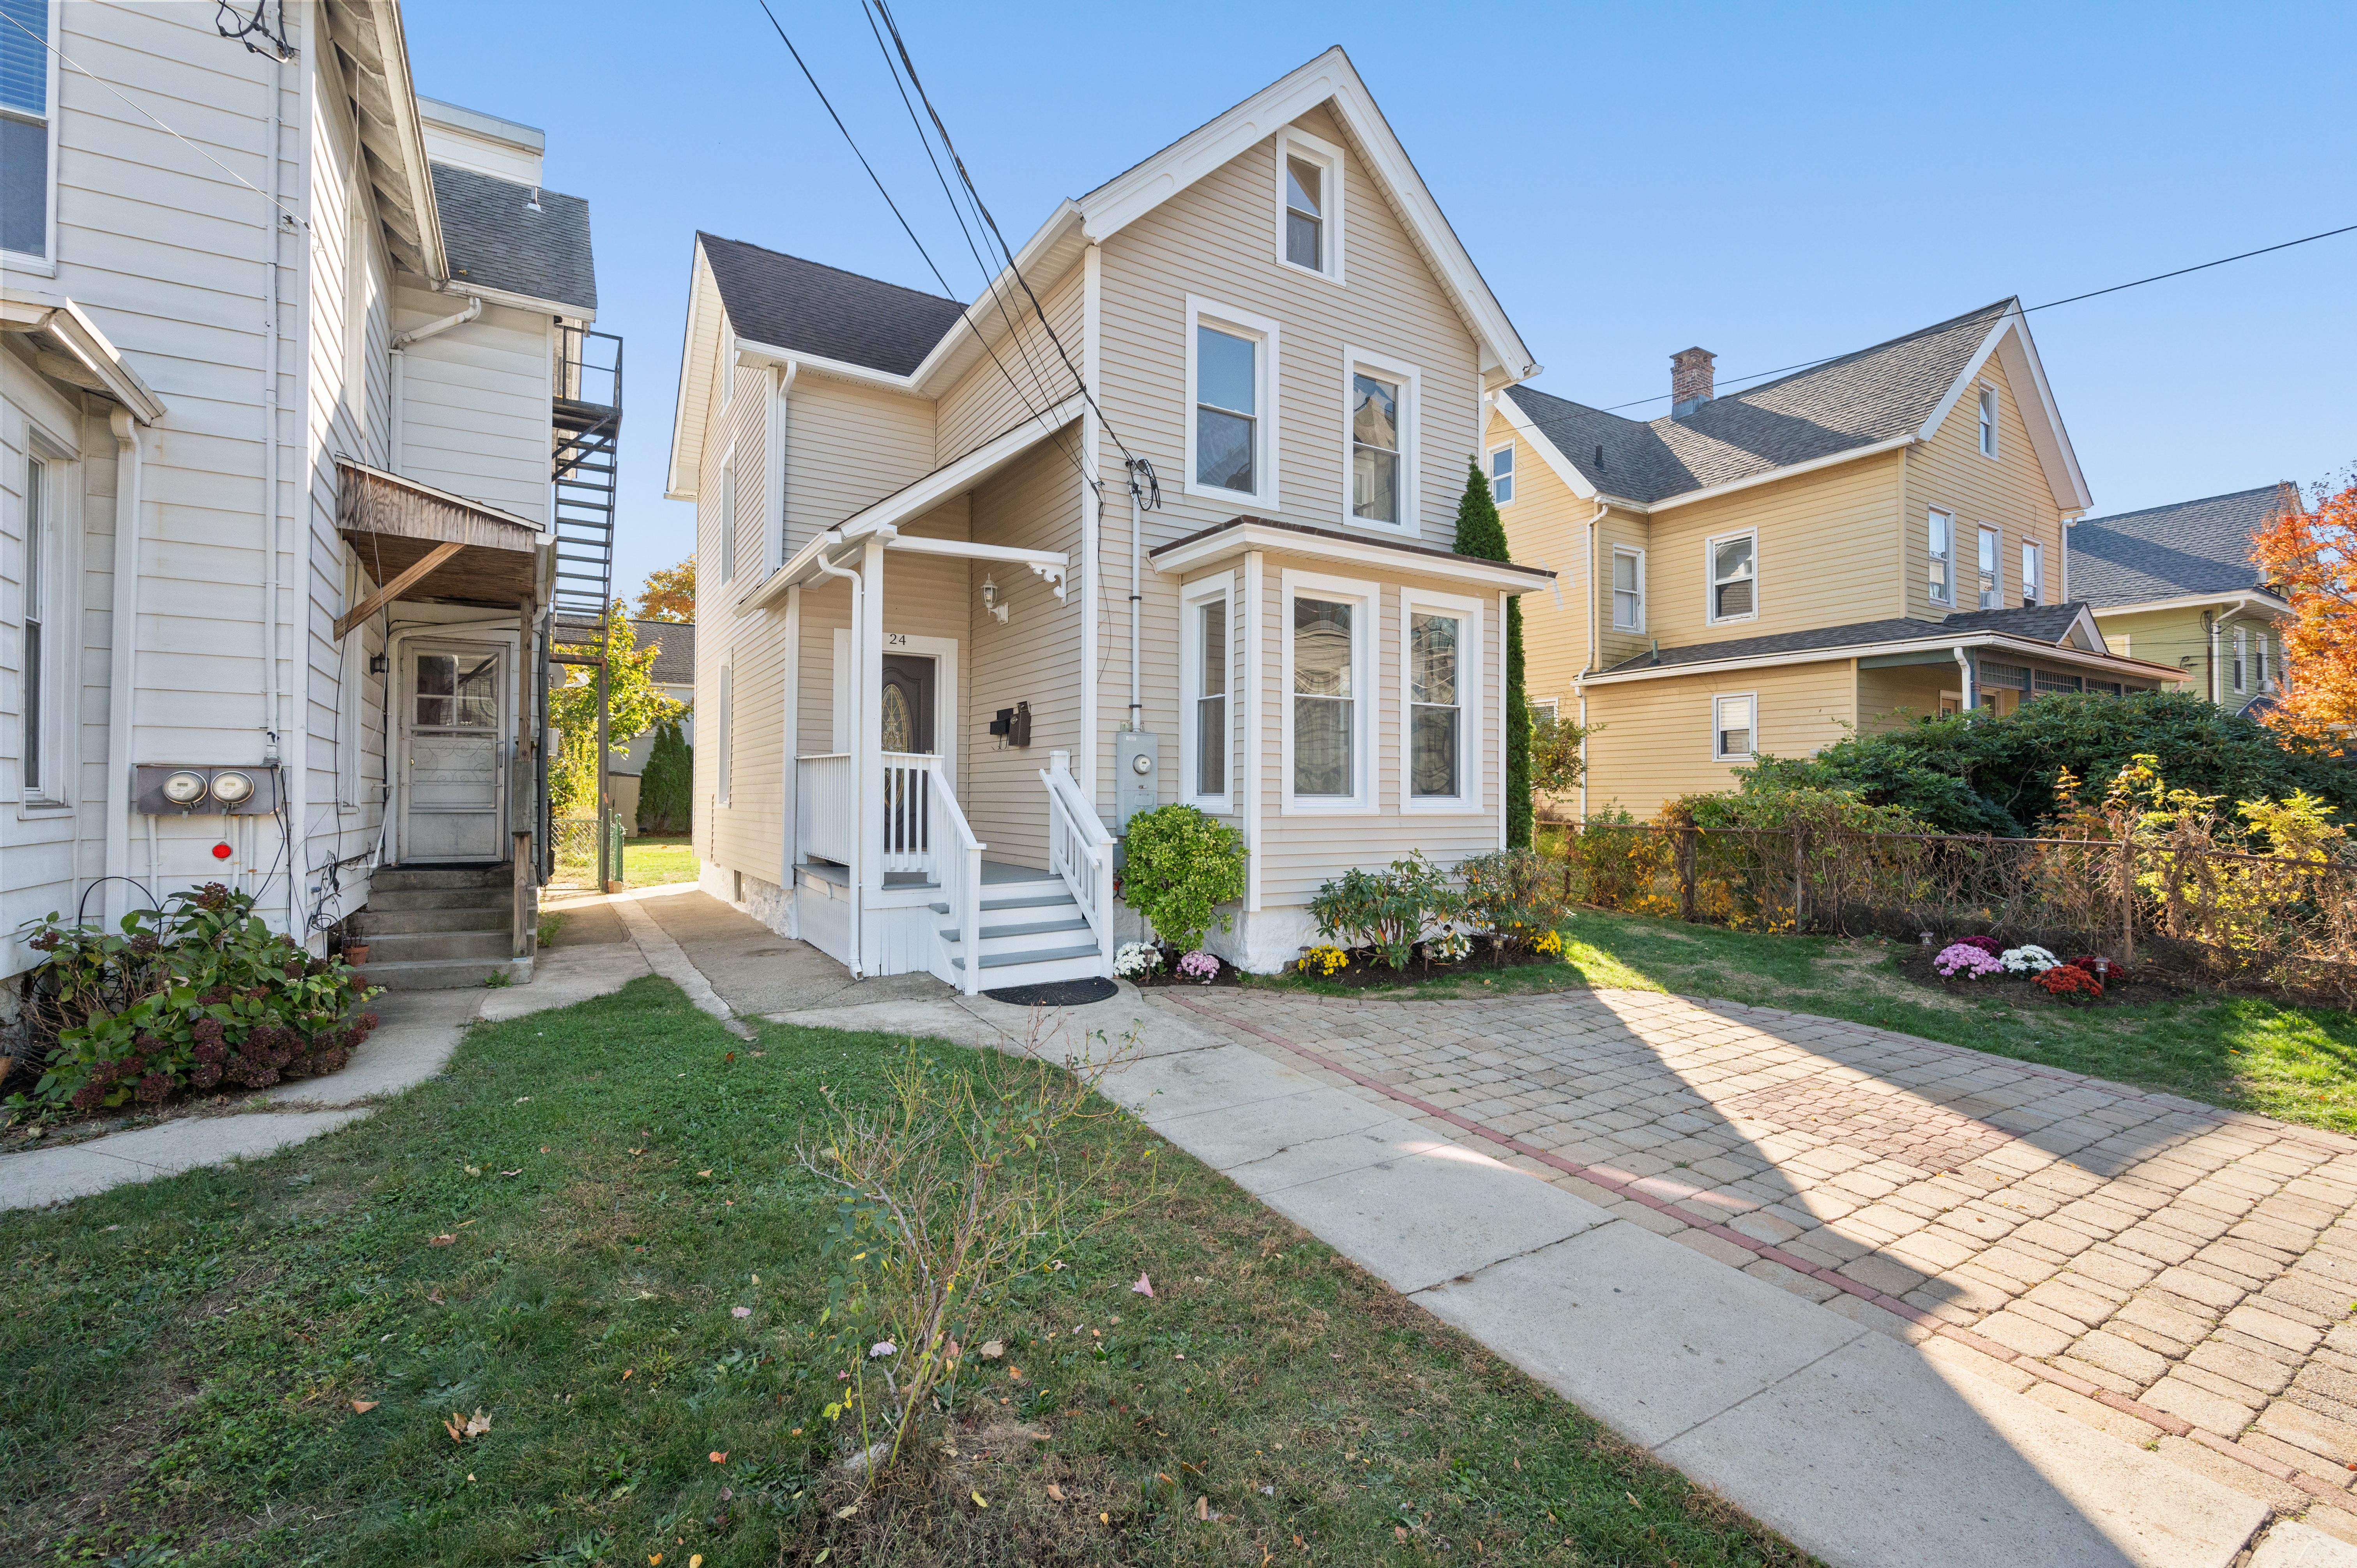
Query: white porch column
(790, 731)
(867, 737)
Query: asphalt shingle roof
(1875, 394)
(2169, 551)
(675, 664)
(2039, 623)
(812, 309)
(494, 239)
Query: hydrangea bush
(1966, 959)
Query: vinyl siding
(1893, 698)
(847, 446)
(1547, 525)
(475, 417)
(1624, 529)
(2009, 493)
(1023, 375)
(1653, 740)
(2170, 636)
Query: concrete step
(402, 878)
(1021, 936)
(382, 898)
(372, 922)
(472, 946)
(446, 974)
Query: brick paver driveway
(2180, 1276)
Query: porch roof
(420, 543)
(1242, 533)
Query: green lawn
(652, 862)
(2246, 1053)
(180, 1362)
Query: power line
(966, 316)
(2091, 294)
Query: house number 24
(896, 639)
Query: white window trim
(1988, 415)
(1291, 141)
(1950, 598)
(1613, 588)
(1244, 323)
(1368, 596)
(1411, 385)
(1191, 598)
(1513, 476)
(2033, 552)
(722, 769)
(61, 566)
(44, 262)
(2241, 660)
(1470, 668)
(1717, 729)
(1997, 555)
(1710, 579)
(729, 562)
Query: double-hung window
(1731, 720)
(1330, 630)
(729, 518)
(1992, 589)
(1734, 563)
(1379, 407)
(1440, 656)
(2241, 657)
(1231, 381)
(39, 655)
(1309, 203)
(2033, 573)
(1988, 422)
(1941, 545)
(1628, 590)
(1205, 665)
(1501, 475)
(27, 126)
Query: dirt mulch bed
(2023, 990)
(1366, 970)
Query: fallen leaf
(1204, 1507)
(1105, 1519)
(1399, 1532)
(653, 1558)
(979, 1501)
(720, 1456)
(518, 1171)
(993, 1350)
(1014, 1372)
(696, 1559)
(626, 1375)
(361, 1407)
(435, 1296)
(1055, 1491)
(740, 1311)
(444, 1239)
(704, 1173)
(474, 1170)
(846, 1513)
(1143, 1287)
(1632, 1499)
(462, 1427)
(881, 1348)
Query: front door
(452, 803)
(906, 707)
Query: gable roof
(1890, 394)
(889, 322)
(501, 235)
(812, 308)
(2067, 628)
(2171, 551)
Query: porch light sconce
(379, 664)
(990, 601)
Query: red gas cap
(223, 852)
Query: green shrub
(665, 788)
(1979, 773)
(185, 997)
(1516, 894)
(1179, 865)
(1387, 910)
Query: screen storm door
(453, 807)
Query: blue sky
(1774, 184)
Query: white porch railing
(826, 818)
(958, 868)
(909, 811)
(1079, 850)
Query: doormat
(1059, 994)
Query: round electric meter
(232, 788)
(184, 788)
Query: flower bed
(2031, 976)
(1362, 967)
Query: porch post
(791, 725)
(867, 737)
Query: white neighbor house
(927, 697)
(250, 380)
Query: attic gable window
(1734, 576)
(1988, 422)
(1309, 204)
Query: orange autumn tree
(670, 593)
(2311, 557)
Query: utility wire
(2091, 294)
(1136, 464)
(1039, 414)
(292, 215)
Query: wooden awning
(419, 542)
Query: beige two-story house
(1874, 537)
(979, 580)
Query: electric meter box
(201, 790)
(1138, 775)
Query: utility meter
(1138, 775)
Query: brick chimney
(1690, 381)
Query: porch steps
(1038, 934)
(439, 927)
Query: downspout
(122, 660)
(1965, 664)
(856, 730)
(400, 357)
(274, 82)
(1582, 683)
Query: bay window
(1441, 671)
(1330, 625)
(1205, 663)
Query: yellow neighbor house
(2174, 584)
(1876, 538)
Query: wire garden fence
(576, 841)
(2209, 916)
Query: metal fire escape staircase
(586, 433)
